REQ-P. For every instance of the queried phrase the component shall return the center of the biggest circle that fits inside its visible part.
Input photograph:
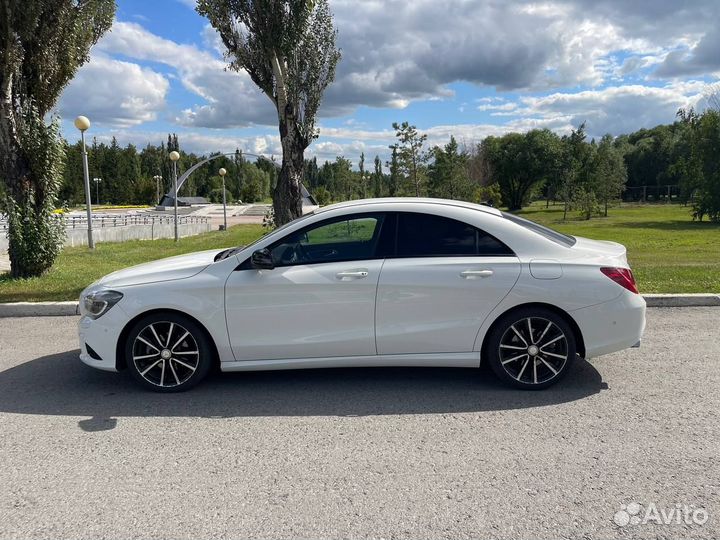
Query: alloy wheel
(165, 354)
(533, 350)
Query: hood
(612, 252)
(180, 267)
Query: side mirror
(262, 259)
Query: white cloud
(616, 109)
(114, 92)
(396, 51)
(198, 142)
(502, 107)
(698, 59)
(231, 99)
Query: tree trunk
(287, 196)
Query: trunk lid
(611, 253)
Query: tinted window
(347, 239)
(426, 235)
(547, 232)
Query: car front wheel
(531, 348)
(167, 352)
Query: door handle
(351, 274)
(474, 274)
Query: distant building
(168, 200)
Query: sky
(468, 68)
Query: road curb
(59, 309)
(38, 309)
(682, 300)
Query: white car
(381, 282)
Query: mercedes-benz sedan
(382, 282)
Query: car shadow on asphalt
(60, 384)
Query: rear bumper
(612, 326)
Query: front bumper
(101, 335)
(612, 326)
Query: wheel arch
(120, 361)
(580, 342)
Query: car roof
(401, 202)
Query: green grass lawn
(77, 267)
(667, 251)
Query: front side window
(427, 235)
(345, 239)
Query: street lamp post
(222, 172)
(83, 124)
(157, 179)
(174, 156)
(97, 190)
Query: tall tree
(377, 178)
(42, 44)
(410, 153)
(574, 169)
(361, 166)
(448, 176)
(288, 49)
(343, 178)
(609, 172)
(702, 175)
(394, 167)
(520, 163)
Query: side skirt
(468, 360)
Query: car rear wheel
(167, 352)
(531, 348)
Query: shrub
(322, 196)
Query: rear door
(445, 278)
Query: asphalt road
(371, 453)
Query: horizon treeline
(509, 170)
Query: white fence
(109, 228)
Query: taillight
(621, 276)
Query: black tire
(536, 363)
(146, 346)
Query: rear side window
(547, 232)
(427, 235)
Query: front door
(318, 302)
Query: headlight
(98, 303)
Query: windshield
(542, 230)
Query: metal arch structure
(168, 197)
